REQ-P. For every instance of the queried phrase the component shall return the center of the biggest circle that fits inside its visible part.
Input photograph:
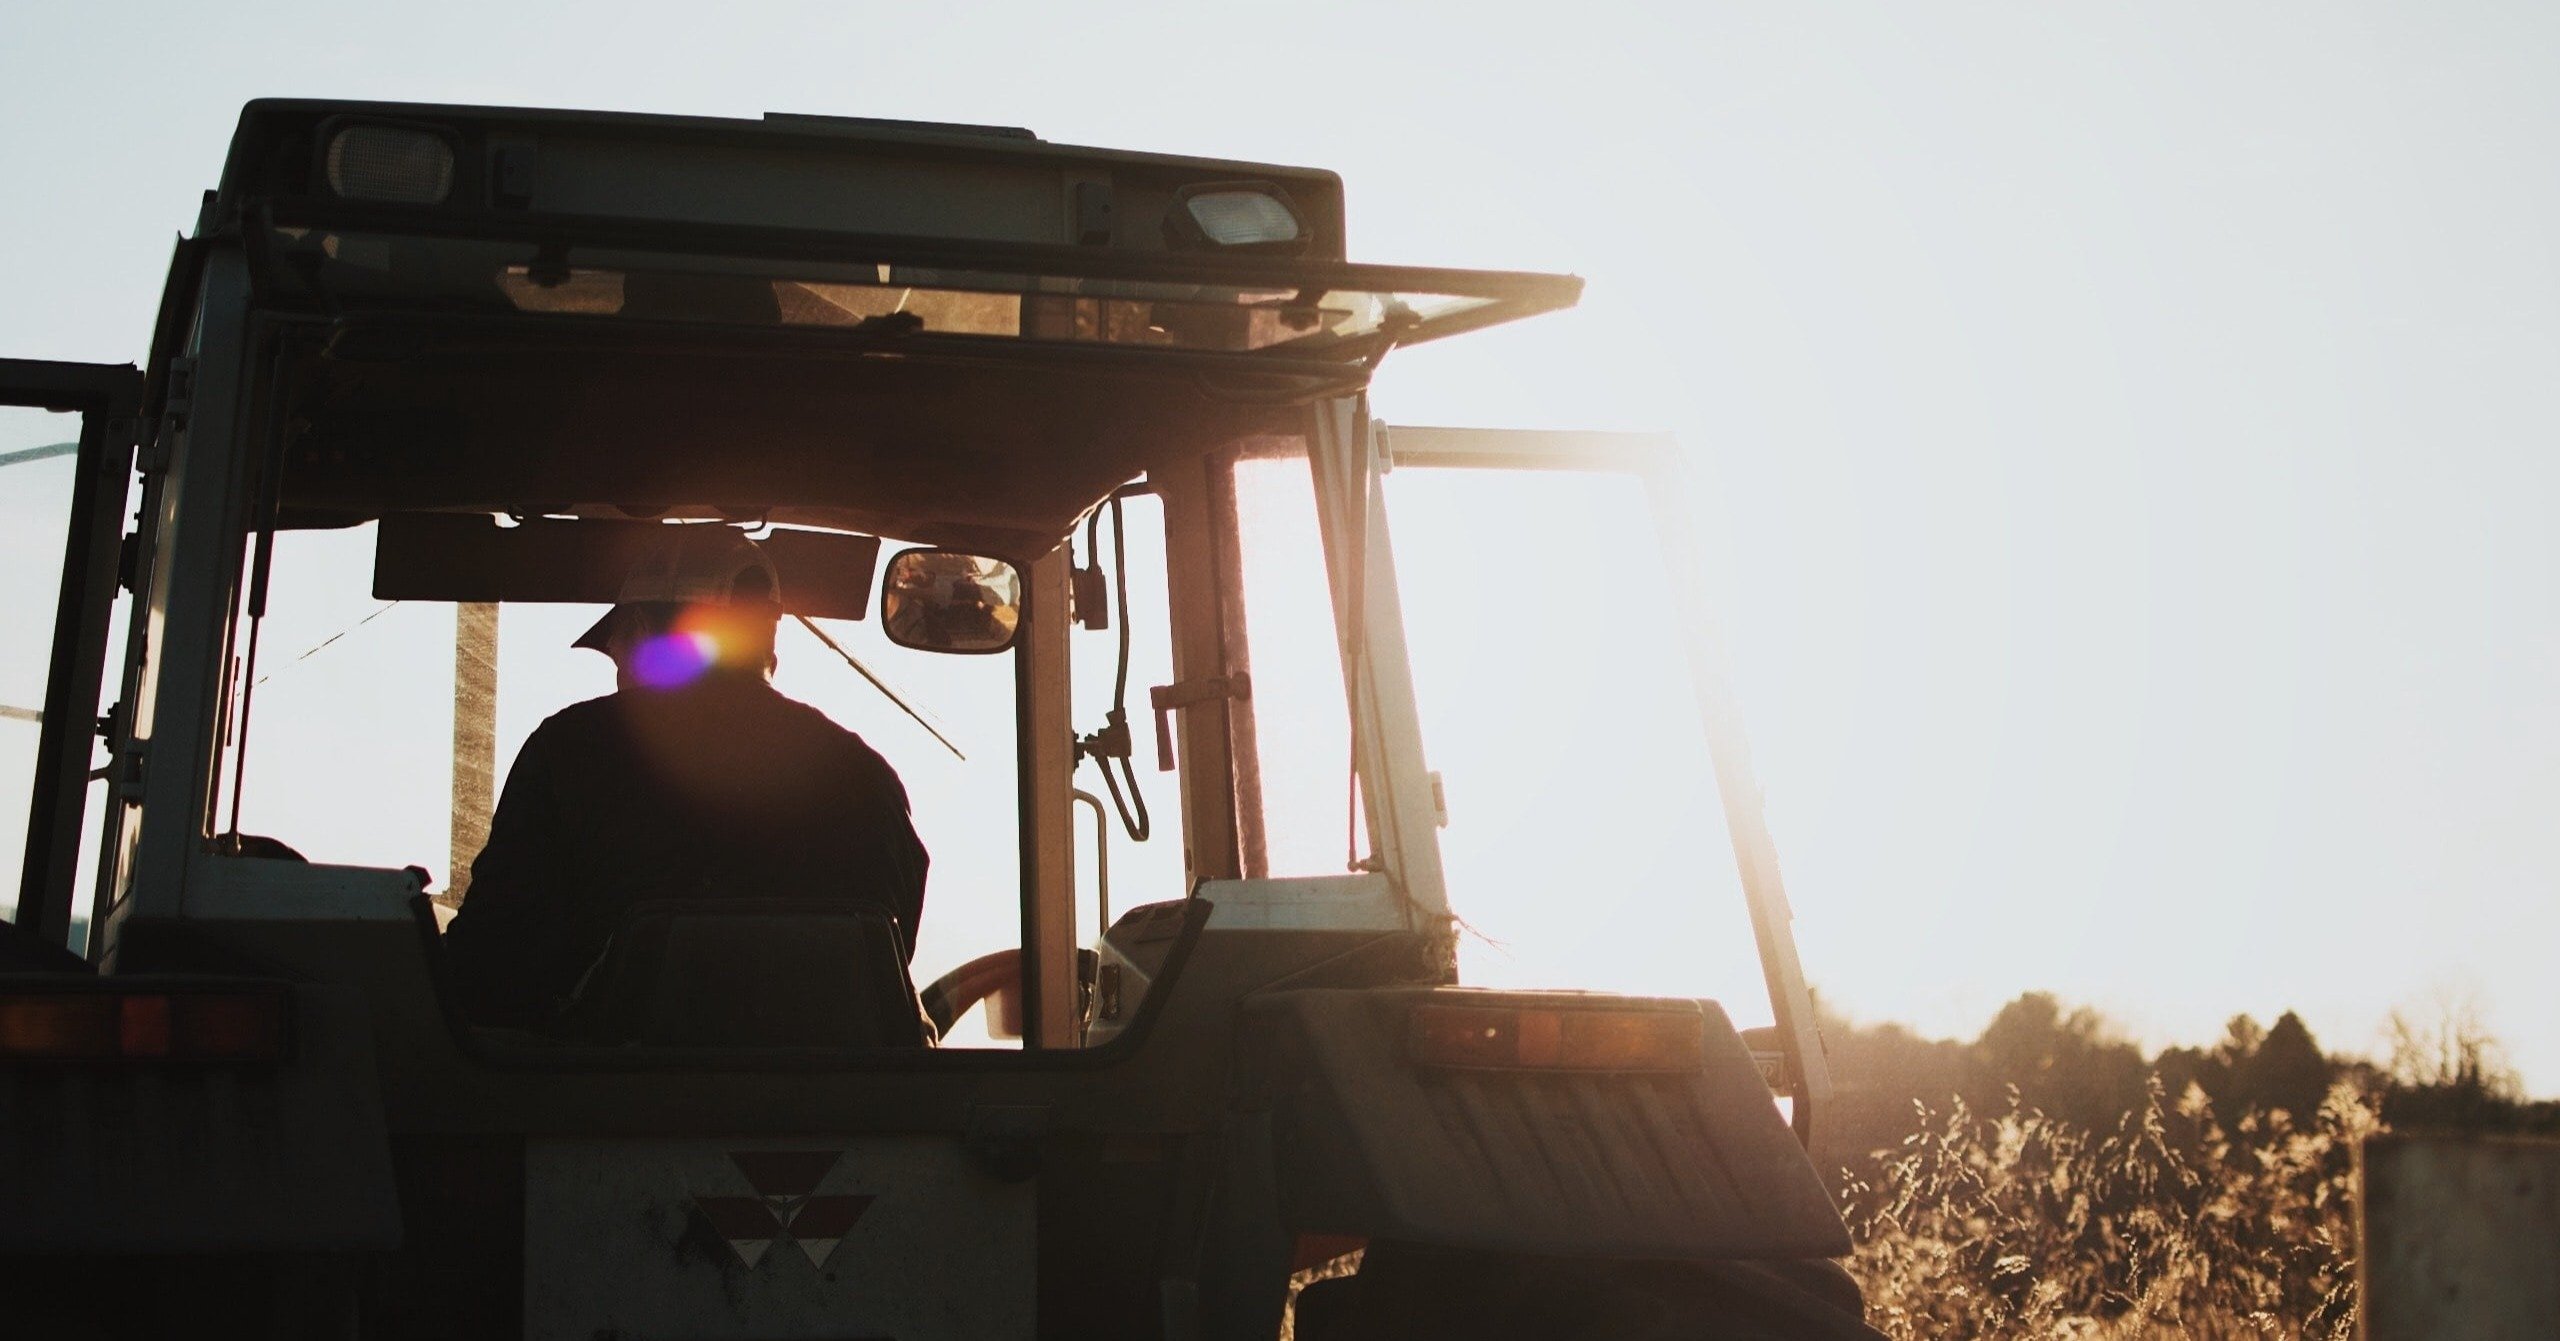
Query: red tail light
(1533, 1039)
(102, 1026)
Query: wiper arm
(879, 684)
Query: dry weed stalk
(2022, 1226)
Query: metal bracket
(132, 771)
(157, 445)
(120, 431)
(1190, 694)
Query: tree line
(2070, 1063)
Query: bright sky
(2124, 430)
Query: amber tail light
(1536, 1039)
(105, 1026)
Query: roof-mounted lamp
(1234, 216)
(399, 165)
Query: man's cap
(700, 564)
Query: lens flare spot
(673, 660)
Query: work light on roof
(1234, 216)
(401, 165)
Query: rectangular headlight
(1234, 216)
(401, 165)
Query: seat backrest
(788, 973)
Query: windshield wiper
(879, 684)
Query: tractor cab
(1064, 461)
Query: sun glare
(674, 660)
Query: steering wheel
(951, 995)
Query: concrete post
(2461, 1238)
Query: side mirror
(940, 600)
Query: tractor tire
(1405, 1291)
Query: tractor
(1013, 419)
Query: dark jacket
(722, 789)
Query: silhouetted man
(694, 779)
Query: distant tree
(2214, 1069)
(2286, 1071)
(2069, 1064)
(2240, 1039)
(2447, 1069)
(1880, 1074)
(2446, 1045)
(2180, 1069)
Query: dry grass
(2020, 1226)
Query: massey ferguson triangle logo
(785, 1206)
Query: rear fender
(163, 1157)
(1366, 1141)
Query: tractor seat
(751, 973)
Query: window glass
(349, 714)
(351, 739)
(37, 471)
(1300, 724)
(35, 508)
(1586, 846)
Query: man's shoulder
(816, 725)
(815, 722)
(579, 722)
(587, 714)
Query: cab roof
(955, 334)
(788, 171)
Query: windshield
(1585, 845)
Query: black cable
(1112, 743)
(1120, 594)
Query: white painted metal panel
(273, 889)
(1304, 903)
(766, 1240)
